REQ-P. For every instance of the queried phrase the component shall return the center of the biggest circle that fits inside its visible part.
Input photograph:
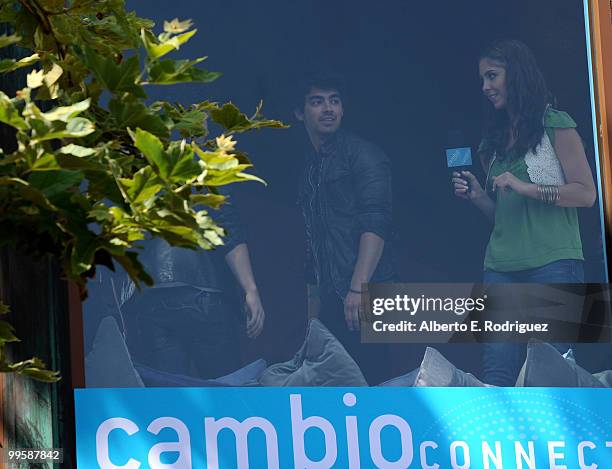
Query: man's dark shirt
(345, 191)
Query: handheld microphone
(458, 153)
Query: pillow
(109, 364)
(605, 378)
(245, 376)
(437, 371)
(321, 361)
(406, 380)
(546, 367)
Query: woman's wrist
(528, 189)
(480, 199)
(478, 196)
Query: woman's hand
(508, 181)
(467, 186)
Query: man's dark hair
(322, 79)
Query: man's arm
(239, 261)
(313, 296)
(370, 249)
(373, 185)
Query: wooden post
(601, 38)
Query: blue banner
(316, 428)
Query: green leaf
(220, 160)
(9, 113)
(76, 163)
(77, 150)
(224, 177)
(191, 124)
(82, 254)
(7, 333)
(76, 127)
(153, 150)
(170, 72)
(182, 166)
(156, 49)
(28, 192)
(66, 113)
(134, 114)
(143, 187)
(7, 40)
(54, 183)
(101, 213)
(10, 65)
(4, 309)
(8, 13)
(34, 367)
(250, 177)
(130, 263)
(102, 185)
(11, 159)
(116, 78)
(230, 118)
(209, 200)
(79, 127)
(46, 376)
(46, 163)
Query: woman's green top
(529, 233)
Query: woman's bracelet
(354, 291)
(549, 194)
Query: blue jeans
(502, 361)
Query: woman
(537, 175)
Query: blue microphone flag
(459, 157)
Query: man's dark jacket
(345, 191)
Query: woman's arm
(579, 189)
(474, 193)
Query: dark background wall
(411, 70)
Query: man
(189, 321)
(345, 198)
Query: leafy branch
(90, 177)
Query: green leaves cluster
(33, 367)
(88, 177)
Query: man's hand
(255, 314)
(352, 305)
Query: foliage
(33, 367)
(95, 167)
